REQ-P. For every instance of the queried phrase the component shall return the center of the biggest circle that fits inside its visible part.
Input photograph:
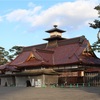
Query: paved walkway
(31, 93)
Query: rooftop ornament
(55, 26)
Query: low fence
(80, 85)
(74, 85)
(92, 78)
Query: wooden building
(59, 61)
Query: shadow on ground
(95, 90)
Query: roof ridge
(39, 46)
(71, 41)
(45, 50)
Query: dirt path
(30, 93)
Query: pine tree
(3, 56)
(96, 25)
(15, 50)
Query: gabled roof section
(30, 63)
(88, 51)
(90, 60)
(41, 57)
(68, 51)
(24, 56)
(36, 57)
(47, 55)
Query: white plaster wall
(3, 81)
(51, 79)
(21, 81)
(36, 78)
(10, 81)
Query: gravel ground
(48, 93)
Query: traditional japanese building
(59, 61)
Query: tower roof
(55, 29)
(54, 38)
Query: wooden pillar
(43, 78)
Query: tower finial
(55, 26)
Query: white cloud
(17, 15)
(0, 18)
(69, 14)
(22, 14)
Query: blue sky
(24, 22)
